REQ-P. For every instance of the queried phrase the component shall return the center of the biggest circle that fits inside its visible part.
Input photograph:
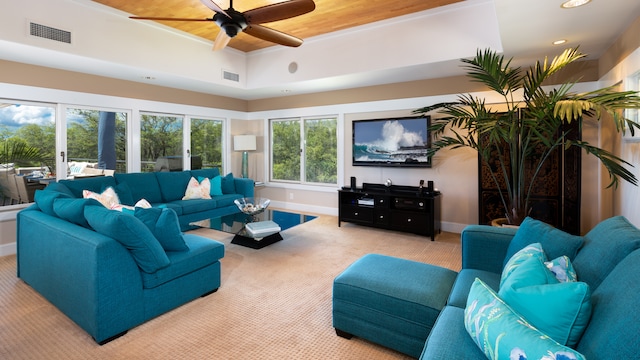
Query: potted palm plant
(532, 121)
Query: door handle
(62, 155)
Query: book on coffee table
(262, 228)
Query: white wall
(627, 197)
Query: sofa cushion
(201, 252)
(502, 333)
(466, 277)
(72, 209)
(605, 246)
(176, 206)
(614, 327)
(559, 310)
(44, 199)
(131, 233)
(449, 339)
(228, 184)
(164, 225)
(95, 184)
(142, 185)
(555, 242)
(172, 184)
(208, 172)
(226, 200)
(124, 194)
(194, 206)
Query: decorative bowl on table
(252, 206)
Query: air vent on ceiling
(50, 33)
(227, 75)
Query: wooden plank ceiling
(329, 16)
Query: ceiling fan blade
(221, 40)
(279, 11)
(213, 6)
(166, 18)
(274, 36)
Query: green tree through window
(304, 150)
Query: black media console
(403, 208)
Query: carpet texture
(274, 303)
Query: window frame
(632, 83)
(302, 179)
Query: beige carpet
(274, 303)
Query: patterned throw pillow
(502, 333)
(108, 198)
(562, 269)
(560, 310)
(196, 190)
(532, 250)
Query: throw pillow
(72, 209)
(554, 241)
(196, 190)
(108, 198)
(532, 250)
(560, 310)
(142, 203)
(216, 185)
(228, 184)
(59, 187)
(44, 200)
(502, 333)
(562, 269)
(164, 225)
(132, 234)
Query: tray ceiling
(329, 16)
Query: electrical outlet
(290, 196)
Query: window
(633, 83)
(96, 136)
(31, 124)
(304, 150)
(160, 142)
(206, 143)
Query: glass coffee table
(237, 224)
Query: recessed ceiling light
(570, 4)
(559, 42)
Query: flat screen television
(398, 142)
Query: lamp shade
(244, 142)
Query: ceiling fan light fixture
(570, 4)
(231, 29)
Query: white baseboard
(8, 249)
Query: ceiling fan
(233, 22)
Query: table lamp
(244, 143)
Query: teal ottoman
(390, 301)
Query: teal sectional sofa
(531, 293)
(167, 189)
(110, 270)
